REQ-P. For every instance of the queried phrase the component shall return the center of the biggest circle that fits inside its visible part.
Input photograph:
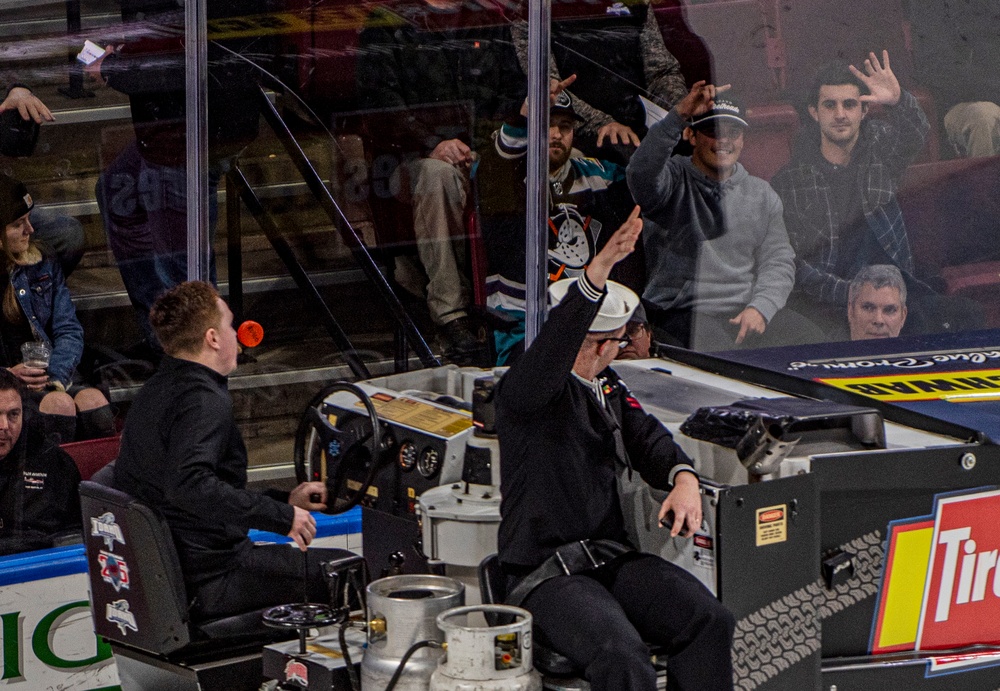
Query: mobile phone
(91, 52)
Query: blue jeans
(144, 207)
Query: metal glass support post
(196, 100)
(537, 208)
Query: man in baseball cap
(719, 264)
(588, 199)
(566, 424)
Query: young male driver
(183, 454)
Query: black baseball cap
(564, 105)
(726, 108)
(14, 200)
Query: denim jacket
(43, 296)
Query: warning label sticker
(420, 415)
(772, 525)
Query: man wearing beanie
(566, 425)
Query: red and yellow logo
(941, 584)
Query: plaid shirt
(884, 149)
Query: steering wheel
(352, 447)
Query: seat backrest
(137, 591)
(93, 454)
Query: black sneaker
(463, 345)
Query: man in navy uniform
(567, 424)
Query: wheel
(352, 448)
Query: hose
(352, 673)
(406, 658)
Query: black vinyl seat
(141, 607)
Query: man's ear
(212, 338)
(904, 317)
(688, 135)
(864, 109)
(813, 113)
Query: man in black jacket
(566, 424)
(38, 480)
(183, 454)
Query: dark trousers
(603, 619)
(266, 575)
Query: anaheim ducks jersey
(588, 200)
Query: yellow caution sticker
(959, 387)
(772, 525)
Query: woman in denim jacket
(36, 306)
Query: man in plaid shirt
(839, 191)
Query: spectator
(718, 263)
(839, 190)
(39, 502)
(877, 303)
(640, 343)
(142, 194)
(59, 235)
(618, 54)
(956, 58)
(587, 197)
(36, 306)
(446, 56)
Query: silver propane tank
(402, 612)
(486, 658)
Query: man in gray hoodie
(718, 262)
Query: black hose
(352, 674)
(406, 658)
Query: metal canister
(495, 657)
(402, 612)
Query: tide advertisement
(941, 584)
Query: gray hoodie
(713, 247)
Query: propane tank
(402, 612)
(486, 658)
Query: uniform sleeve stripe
(588, 289)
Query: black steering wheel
(352, 448)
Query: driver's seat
(141, 608)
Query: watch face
(571, 245)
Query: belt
(572, 558)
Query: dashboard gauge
(407, 455)
(429, 462)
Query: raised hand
(556, 87)
(700, 99)
(619, 246)
(882, 84)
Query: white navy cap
(616, 310)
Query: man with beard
(586, 197)
(718, 261)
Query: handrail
(347, 232)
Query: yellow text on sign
(970, 385)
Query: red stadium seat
(93, 454)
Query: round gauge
(429, 462)
(407, 455)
